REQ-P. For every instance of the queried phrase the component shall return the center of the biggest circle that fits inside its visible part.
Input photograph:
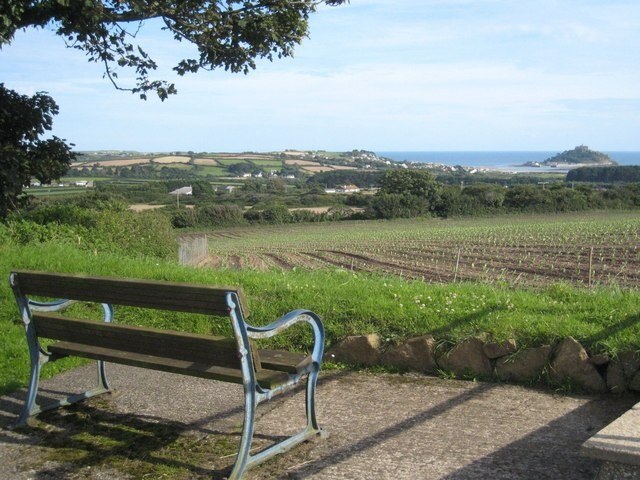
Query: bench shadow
(83, 436)
(552, 451)
(89, 434)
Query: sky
(381, 75)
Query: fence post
(590, 266)
(455, 272)
(192, 251)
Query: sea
(499, 160)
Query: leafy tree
(413, 182)
(336, 178)
(486, 196)
(23, 155)
(400, 205)
(528, 198)
(228, 34)
(240, 168)
(627, 173)
(202, 190)
(406, 193)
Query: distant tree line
(412, 193)
(336, 178)
(148, 171)
(628, 173)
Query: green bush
(183, 217)
(107, 231)
(219, 215)
(146, 233)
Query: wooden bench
(263, 373)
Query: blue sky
(378, 75)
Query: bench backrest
(204, 349)
(182, 297)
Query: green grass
(231, 161)
(267, 163)
(605, 319)
(55, 191)
(211, 170)
(175, 166)
(86, 179)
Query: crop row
(588, 249)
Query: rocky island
(578, 157)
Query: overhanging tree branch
(228, 34)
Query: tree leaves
(228, 34)
(23, 154)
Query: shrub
(108, 231)
(277, 214)
(219, 215)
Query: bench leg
(103, 383)
(312, 421)
(31, 408)
(243, 458)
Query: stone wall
(566, 363)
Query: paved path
(381, 426)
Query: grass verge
(604, 320)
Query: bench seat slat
(181, 297)
(266, 378)
(290, 362)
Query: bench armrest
(55, 306)
(288, 320)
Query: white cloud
(374, 74)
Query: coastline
(503, 161)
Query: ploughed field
(601, 248)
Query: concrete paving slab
(381, 426)
(617, 442)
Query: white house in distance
(343, 189)
(182, 191)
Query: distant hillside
(289, 164)
(580, 155)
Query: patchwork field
(316, 167)
(205, 161)
(114, 163)
(172, 159)
(601, 248)
(301, 162)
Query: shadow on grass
(460, 321)
(85, 436)
(611, 330)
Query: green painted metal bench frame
(263, 373)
